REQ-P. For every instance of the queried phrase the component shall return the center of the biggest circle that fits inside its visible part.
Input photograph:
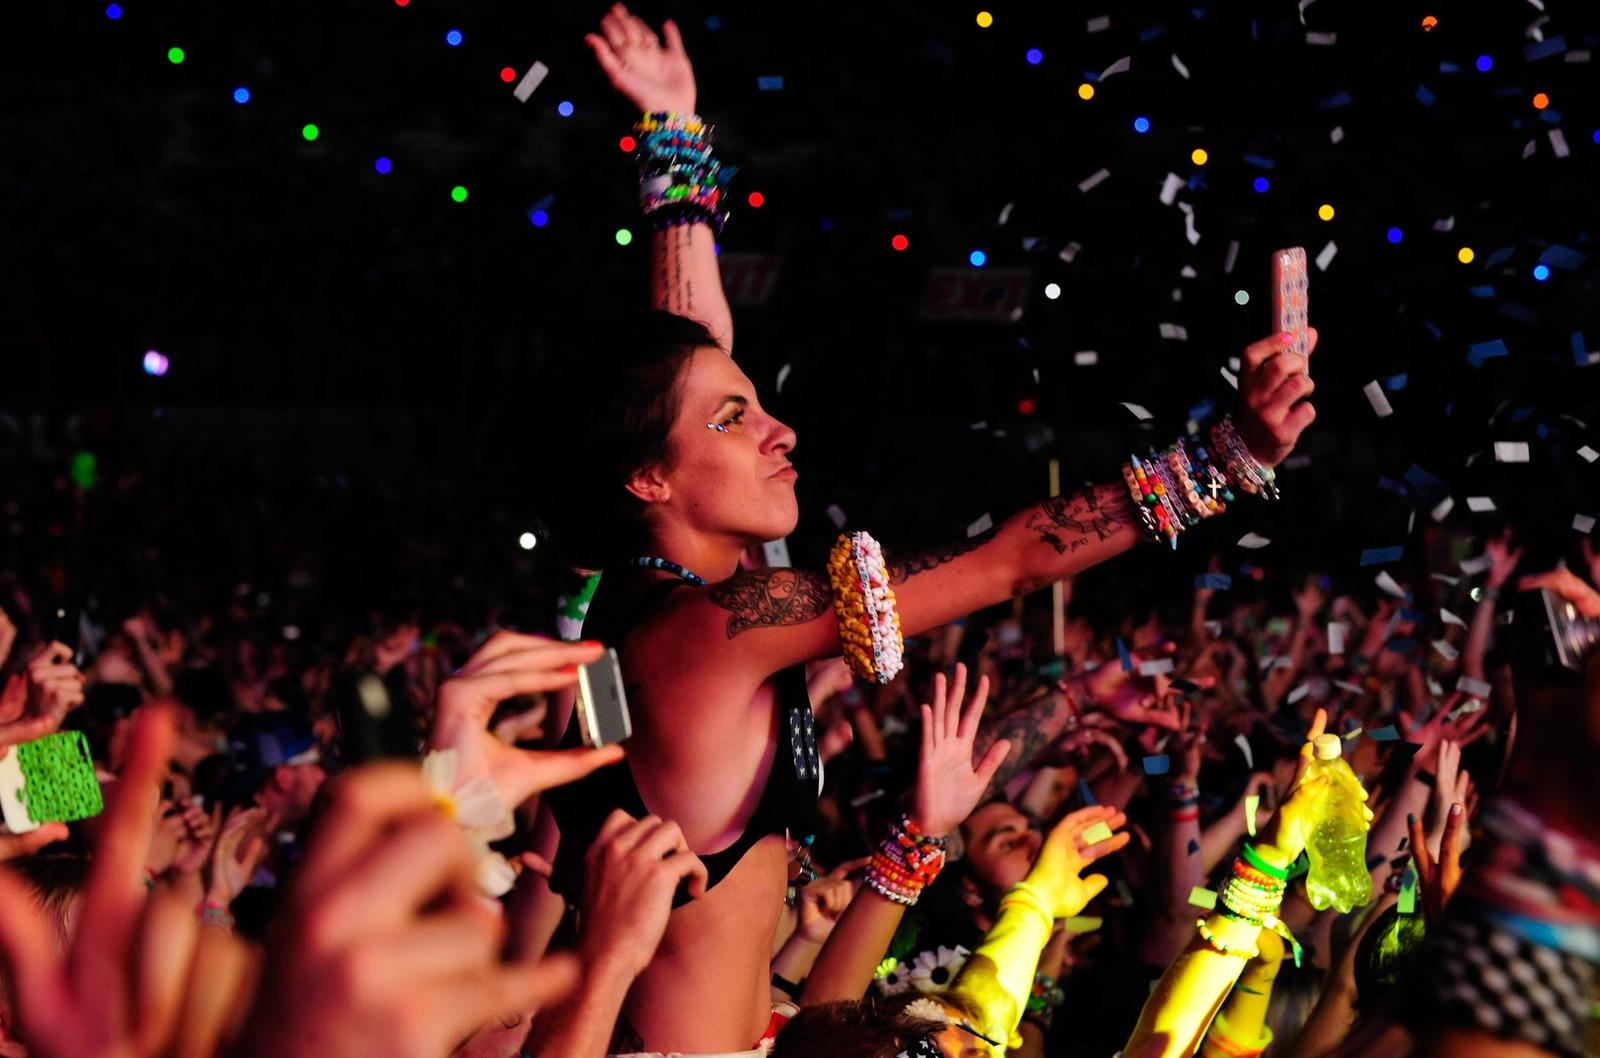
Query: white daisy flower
(894, 981)
(478, 809)
(935, 971)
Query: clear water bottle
(1338, 843)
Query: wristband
(214, 913)
(1254, 859)
(786, 986)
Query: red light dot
(1257, 574)
(757, 200)
(508, 75)
(627, 143)
(1026, 405)
(900, 242)
(401, 3)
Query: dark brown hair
(871, 1028)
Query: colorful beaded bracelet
(863, 601)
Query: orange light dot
(1541, 101)
(757, 200)
(508, 75)
(627, 143)
(900, 242)
(1428, 23)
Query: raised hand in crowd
(653, 73)
(36, 700)
(1273, 387)
(8, 635)
(242, 843)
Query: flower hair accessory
(869, 625)
(475, 805)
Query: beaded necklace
(652, 562)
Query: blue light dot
(826, 223)
(453, 38)
(1484, 64)
(1261, 185)
(1596, 136)
(539, 217)
(1395, 235)
(383, 165)
(1141, 124)
(241, 95)
(1035, 56)
(977, 257)
(1541, 272)
(564, 108)
(113, 11)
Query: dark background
(336, 335)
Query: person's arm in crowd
(630, 875)
(1503, 559)
(142, 631)
(1175, 860)
(36, 700)
(817, 911)
(949, 787)
(1222, 836)
(655, 75)
(1307, 601)
(758, 622)
(1241, 1025)
(1029, 730)
(8, 635)
(1199, 634)
(866, 733)
(1335, 1010)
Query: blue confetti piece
(1086, 794)
(1433, 328)
(1376, 556)
(714, 23)
(1477, 354)
(1159, 764)
(1580, 353)
(545, 203)
(1194, 846)
(1499, 256)
(1519, 312)
(1449, 67)
(1522, 414)
(1387, 733)
(770, 84)
(1423, 481)
(1424, 96)
(1148, 35)
(1563, 257)
(1543, 49)
(1122, 652)
(1333, 102)
(1484, 292)
(1396, 383)
(1203, 410)
(1401, 646)
(1214, 581)
(1551, 117)
(1260, 162)
(1392, 485)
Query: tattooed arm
(685, 279)
(1031, 728)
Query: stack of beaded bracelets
(680, 180)
(869, 624)
(1177, 489)
(905, 863)
(1183, 802)
(1253, 896)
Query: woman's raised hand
(949, 785)
(653, 73)
(1272, 385)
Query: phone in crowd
(602, 704)
(1573, 635)
(1290, 290)
(64, 624)
(48, 780)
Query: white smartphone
(602, 704)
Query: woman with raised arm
(672, 470)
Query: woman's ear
(649, 485)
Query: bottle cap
(1327, 747)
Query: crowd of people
(956, 802)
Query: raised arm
(655, 75)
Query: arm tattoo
(1030, 728)
(677, 295)
(1067, 522)
(771, 598)
(902, 569)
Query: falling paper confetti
(1378, 400)
(1253, 541)
(530, 80)
(1093, 180)
(1479, 504)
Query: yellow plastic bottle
(1338, 843)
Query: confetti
(1473, 566)
(1558, 143)
(1298, 693)
(1387, 733)
(1589, 455)
(1086, 358)
(1175, 331)
(982, 525)
(1095, 834)
(1213, 581)
(1407, 902)
(770, 84)
(1325, 256)
(1337, 135)
(836, 515)
(1480, 504)
(1093, 180)
(1139, 411)
(1442, 511)
(1170, 188)
(1583, 523)
(1086, 793)
(1097, 24)
(783, 376)
(1177, 64)
(1446, 651)
(1449, 618)
(1563, 257)
(1475, 687)
(1374, 556)
(1229, 258)
(1375, 397)
(1511, 451)
(1200, 896)
(1244, 747)
(530, 80)
(1253, 541)
(1157, 765)
(1230, 378)
(1336, 633)
(1477, 354)
(1155, 667)
(1123, 655)
(1122, 65)
(1387, 583)
(1353, 688)
(1082, 923)
(1252, 804)
(1069, 251)
(1316, 37)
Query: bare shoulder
(760, 620)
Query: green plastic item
(59, 780)
(1338, 844)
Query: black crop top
(788, 800)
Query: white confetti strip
(1337, 135)
(1336, 633)
(1086, 358)
(1446, 651)
(1299, 693)
(1530, 148)
(1230, 378)
(1069, 251)
(1122, 65)
(1177, 332)
(1589, 455)
(1253, 541)
(1325, 257)
(982, 525)
(1388, 584)
(1230, 258)
(1314, 37)
(1005, 214)
(1445, 578)
(1476, 688)
(1093, 180)
(1378, 400)
(1140, 412)
(1511, 451)
(1177, 64)
(1346, 685)
(1303, 5)
(1558, 143)
(1244, 747)
(1188, 272)
(1170, 188)
(1442, 511)
(1155, 667)
(1189, 230)
(530, 80)
(1445, 224)
(1451, 619)
(777, 553)
(1474, 566)
(1583, 523)
(1480, 504)
(783, 376)
(1577, 55)
(1097, 24)
(836, 513)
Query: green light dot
(458, 193)
(310, 132)
(1241, 297)
(174, 55)
(624, 236)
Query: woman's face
(730, 477)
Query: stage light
(977, 258)
(1485, 63)
(113, 11)
(1035, 56)
(900, 243)
(401, 3)
(1141, 124)
(241, 95)
(539, 217)
(1086, 91)
(1428, 23)
(1026, 406)
(1324, 212)
(985, 20)
(1540, 101)
(527, 541)
(453, 38)
(175, 57)
(1241, 297)
(458, 193)
(507, 74)
(1465, 255)
(756, 200)
(564, 108)
(1052, 291)
(1394, 235)
(155, 364)
(383, 165)
(1541, 272)
(310, 133)
(628, 144)
(624, 236)
(1199, 156)
(1260, 184)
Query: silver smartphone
(1574, 636)
(602, 704)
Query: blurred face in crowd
(1001, 845)
(291, 790)
(733, 479)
